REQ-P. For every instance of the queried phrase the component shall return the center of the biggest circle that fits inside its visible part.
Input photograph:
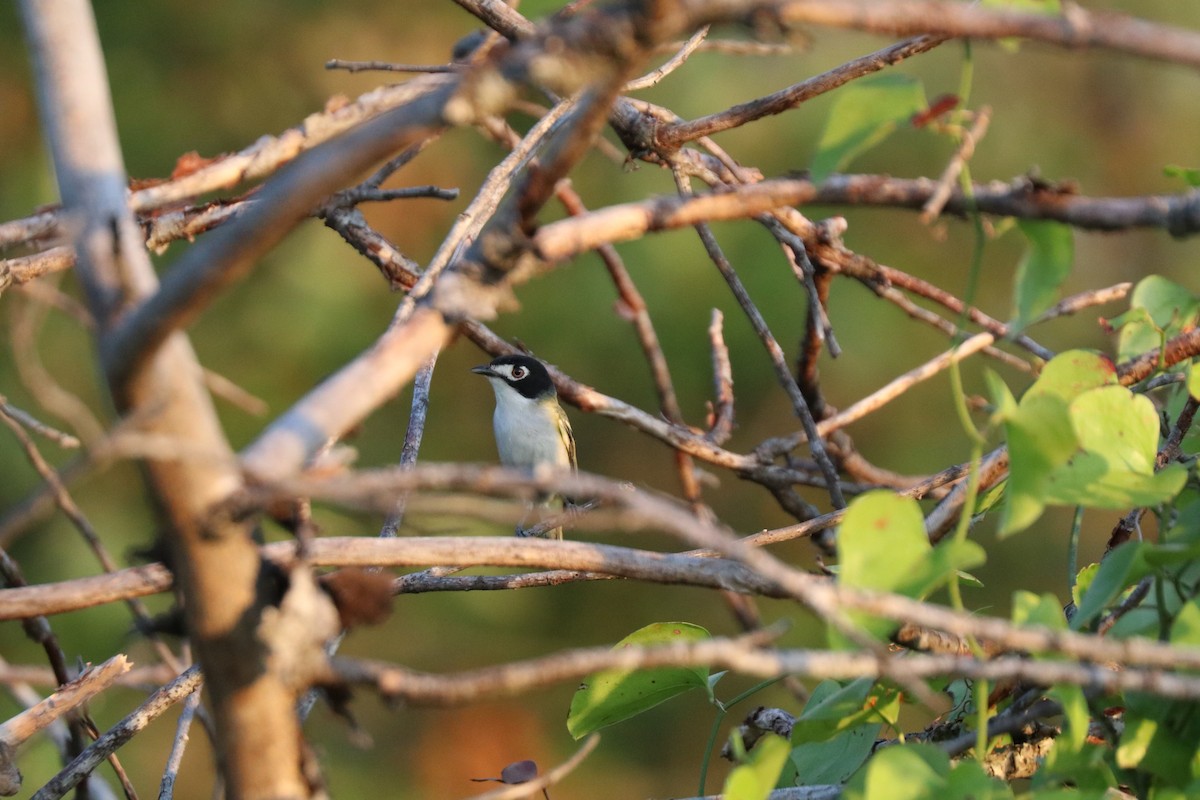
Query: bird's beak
(483, 369)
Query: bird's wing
(564, 430)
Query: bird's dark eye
(519, 372)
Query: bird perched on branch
(531, 428)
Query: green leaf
(1072, 373)
(968, 781)
(881, 540)
(882, 545)
(1087, 770)
(1076, 713)
(1119, 425)
(615, 695)
(756, 779)
(1083, 580)
(831, 708)
(1046, 264)
(1158, 310)
(1185, 630)
(1040, 440)
(1171, 553)
(1193, 380)
(1002, 396)
(836, 759)
(1161, 737)
(864, 114)
(906, 772)
(1188, 175)
(1119, 570)
(836, 731)
(1077, 438)
(1135, 742)
(1032, 609)
(1188, 793)
(1119, 434)
(1186, 528)
(884, 703)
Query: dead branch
(65, 699)
(748, 657)
(119, 734)
(1075, 28)
(676, 134)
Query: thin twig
(366, 193)
(72, 511)
(633, 306)
(541, 782)
(895, 388)
(412, 438)
(51, 396)
(388, 66)
(802, 267)
(673, 136)
(65, 699)
(782, 373)
(720, 427)
(949, 178)
(672, 64)
(60, 438)
(166, 790)
(119, 734)
(483, 206)
(500, 17)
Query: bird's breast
(527, 435)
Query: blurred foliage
(214, 77)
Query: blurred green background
(214, 77)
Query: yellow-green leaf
(614, 695)
(756, 779)
(863, 115)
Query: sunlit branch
(748, 657)
(1075, 28)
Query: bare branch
(672, 64)
(233, 249)
(388, 66)
(1075, 28)
(166, 789)
(902, 384)
(64, 440)
(266, 155)
(674, 135)
(748, 657)
(119, 734)
(966, 148)
(64, 700)
(1024, 198)
(500, 17)
(721, 426)
(412, 438)
(26, 268)
(646, 511)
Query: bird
(532, 430)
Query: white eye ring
(519, 372)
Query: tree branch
(1075, 28)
